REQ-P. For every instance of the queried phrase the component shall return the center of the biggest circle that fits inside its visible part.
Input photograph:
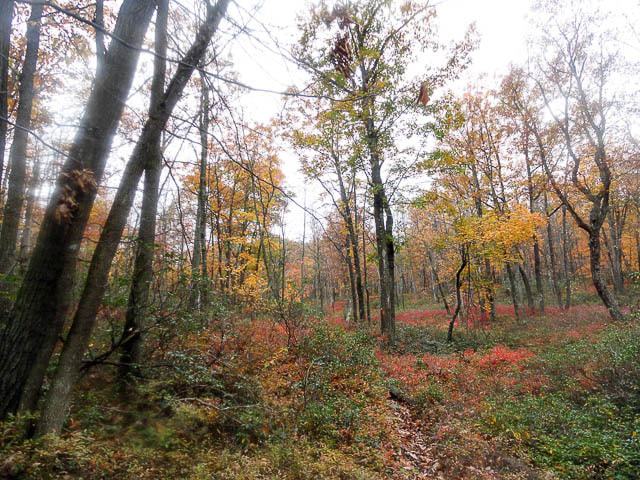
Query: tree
(145, 151)
(18, 155)
(334, 163)
(137, 306)
(6, 18)
(199, 259)
(576, 72)
(35, 322)
(362, 69)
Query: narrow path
(414, 453)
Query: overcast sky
(504, 27)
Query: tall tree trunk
(387, 316)
(537, 269)
(364, 263)
(352, 244)
(464, 259)
(536, 245)
(391, 266)
(616, 252)
(352, 280)
(6, 18)
(487, 273)
(514, 290)
(437, 282)
(18, 154)
(553, 266)
(565, 259)
(527, 287)
(25, 237)
(199, 260)
(68, 370)
(34, 325)
(100, 47)
(598, 280)
(138, 303)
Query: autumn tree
(358, 54)
(576, 70)
(35, 322)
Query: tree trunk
(18, 154)
(536, 245)
(34, 326)
(387, 319)
(352, 243)
(68, 370)
(456, 313)
(514, 290)
(596, 275)
(553, 268)
(565, 259)
(137, 306)
(437, 282)
(199, 261)
(364, 264)
(527, 288)
(6, 18)
(616, 253)
(352, 280)
(537, 268)
(391, 267)
(25, 237)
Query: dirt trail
(414, 453)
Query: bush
(586, 425)
(341, 377)
(596, 439)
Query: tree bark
(352, 244)
(387, 315)
(6, 18)
(437, 282)
(537, 268)
(138, 303)
(456, 313)
(553, 264)
(598, 281)
(199, 260)
(18, 154)
(26, 235)
(527, 288)
(616, 252)
(34, 326)
(514, 290)
(352, 281)
(565, 259)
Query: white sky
(504, 27)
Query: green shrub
(596, 439)
(341, 376)
(586, 425)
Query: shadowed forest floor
(549, 396)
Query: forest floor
(549, 396)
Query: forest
(330, 239)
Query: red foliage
(500, 356)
